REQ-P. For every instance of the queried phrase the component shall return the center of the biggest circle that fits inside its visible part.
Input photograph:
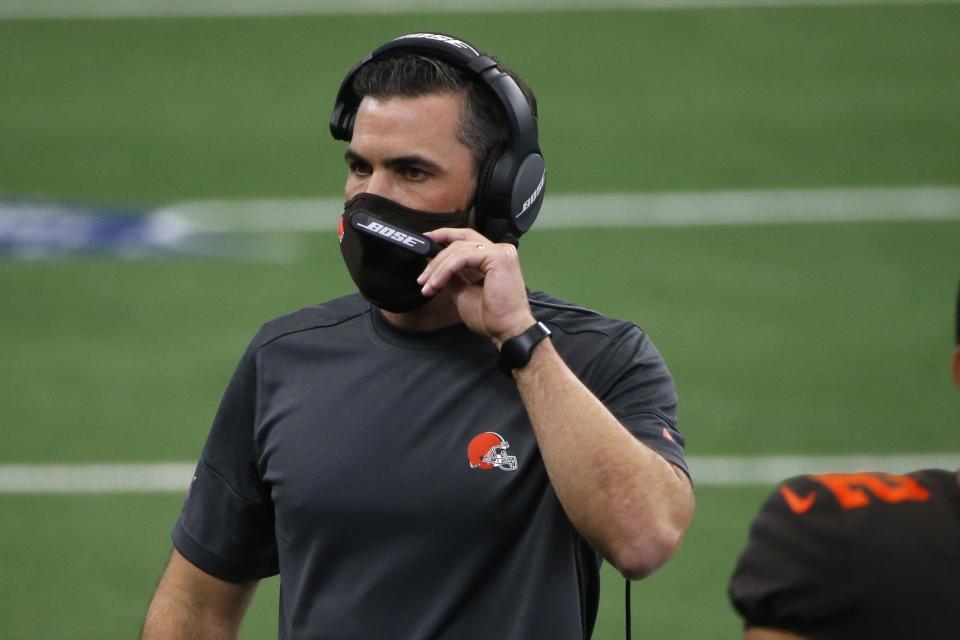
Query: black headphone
(510, 185)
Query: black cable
(626, 598)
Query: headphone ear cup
(487, 215)
(527, 193)
(509, 194)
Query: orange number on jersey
(850, 489)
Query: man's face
(406, 149)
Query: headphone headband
(510, 186)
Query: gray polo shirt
(394, 482)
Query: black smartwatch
(515, 352)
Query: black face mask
(385, 274)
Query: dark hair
(483, 125)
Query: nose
(377, 183)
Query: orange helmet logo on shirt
(488, 450)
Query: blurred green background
(788, 338)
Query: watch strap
(516, 352)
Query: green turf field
(802, 338)
(160, 110)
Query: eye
(360, 169)
(413, 174)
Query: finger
(442, 270)
(440, 259)
(465, 259)
(448, 235)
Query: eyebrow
(410, 160)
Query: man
(371, 449)
(858, 555)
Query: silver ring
(480, 246)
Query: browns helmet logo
(488, 450)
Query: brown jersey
(855, 555)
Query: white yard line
(174, 477)
(96, 478)
(17, 9)
(611, 209)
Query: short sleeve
(633, 382)
(226, 527)
(794, 573)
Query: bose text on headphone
(511, 184)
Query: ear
(956, 366)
